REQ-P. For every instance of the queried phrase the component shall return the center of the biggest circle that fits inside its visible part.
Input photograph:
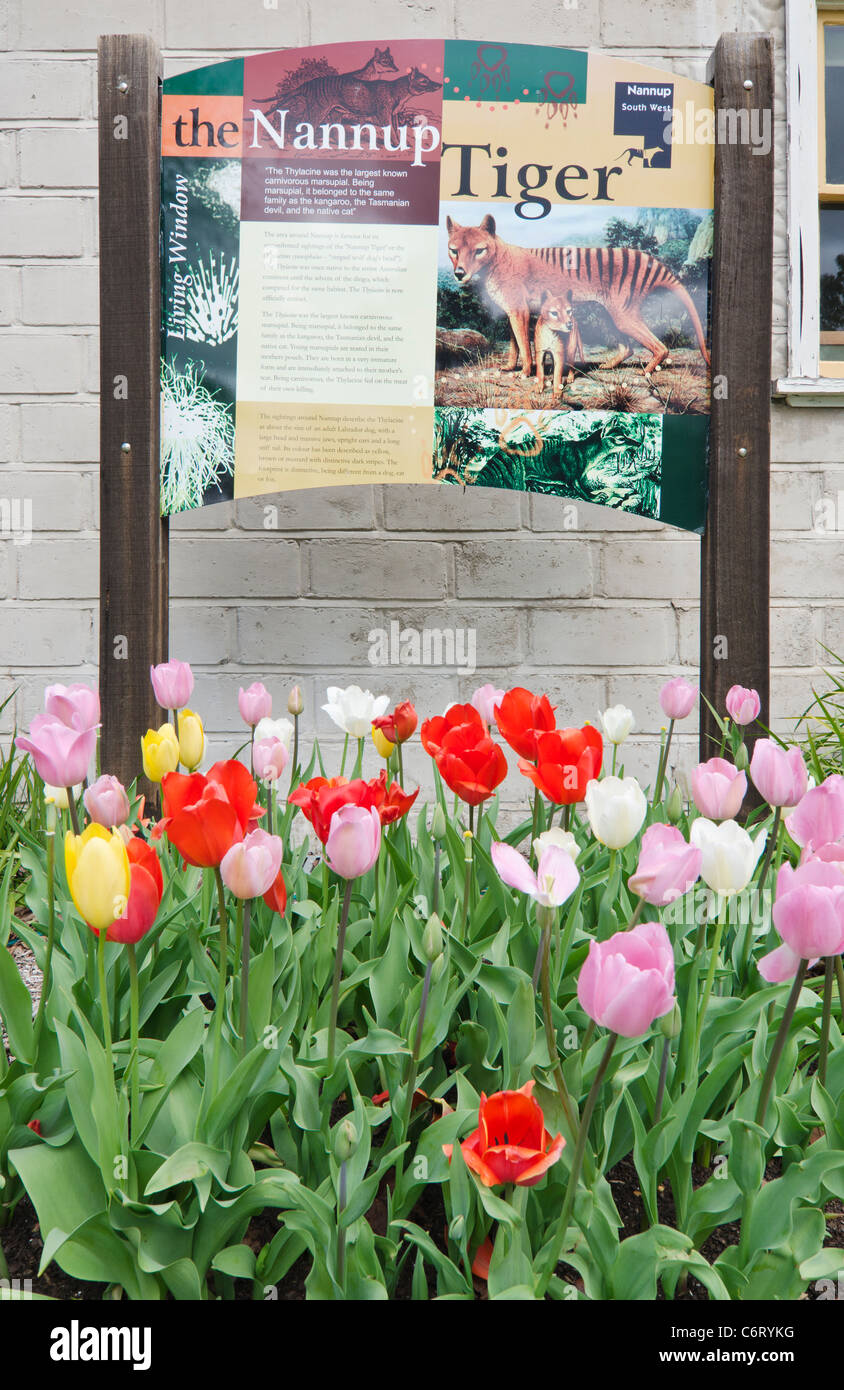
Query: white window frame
(804, 385)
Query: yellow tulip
(191, 739)
(160, 749)
(382, 743)
(98, 875)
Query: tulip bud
(674, 806)
(191, 739)
(432, 938)
(457, 1229)
(345, 1141)
(295, 703)
(437, 969)
(741, 759)
(671, 1023)
(382, 744)
(438, 823)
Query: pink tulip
(484, 700)
(77, 706)
(667, 866)
(250, 867)
(809, 916)
(628, 981)
(255, 703)
(718, 789)
(818, 819)
(742, 705)
(677, 698)
(354, 840)
(779, 774)
(172, 683)
(269, 759)
(61, 755)
(555, 879)
(106, 802)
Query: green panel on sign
(219, 79)
(684, 471)
(514, 72)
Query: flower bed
(302, 1036)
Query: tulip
(667, 866)
(405, 720)
(250, 868)
(77, 706)
(282, 729)
(391, 802)
(809, 916)
(255, 703)
(522, 717)
(510, 1143)
(743, 705)
(718, 789)
(160, 751)
(269, 759)
(205, 815)
(484, 700)
(561, 839)
(106, 802)
(470, 763)
(191, 739)
(353, 710)
(567, 759)
(172, 683)
(61, 755)
(98, 875)
(354, 840)
(818, 819)
(627, 982)
(384, 747)
(276, 895)
(145, 892)
(616, 808)
(617, 723)
(434, 730)
(554, 881)
(321, 797)
(729, 855)
(677, 698)
(778, 774)
(295, 703)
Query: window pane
(832, 284)
(834, 93)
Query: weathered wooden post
(735, 559)
(133, 536)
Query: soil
(679, 387)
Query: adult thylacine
(378, 101)
(515, 277)
(558, 334)
(334, 89)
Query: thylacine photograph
(586, 309)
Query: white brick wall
(596, 615)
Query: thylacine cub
(323, 94)
(379, 101)
(515, 279)
(558, 334)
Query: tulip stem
(663, 763)
(413, 1069)
(238, 928)
(436, 890)
(558, 1239)
(345, 753)
(546, 917)
(134, 1013)
(710, 976)
(635, 915)
(220, 1006)
(467, 883)
(826, 1018)
(295, 767)
(663, 1075)
(839, 975)
(71, 806)
(50, 836)
(244, 914)
(104, 1008)
(779, 1042)
(338, 973)
(769, 854)
(341, 1230)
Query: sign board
(437, 262)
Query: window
(831, 191)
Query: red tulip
(522, 717)
(511, 1142)
(205, 815)
(391, 802)
(458, 716)
(319, 798)
(400, 725)
(566, 759)
(145, 893)
(470, 763)
(276, 895)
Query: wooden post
(133, 537)
(734, 560)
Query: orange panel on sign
(202, 126)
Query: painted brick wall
(602, 613)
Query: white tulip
(729, 854)
(617, 723)
(282, 729)
(353, 709)
(557, 838)
(616, 807)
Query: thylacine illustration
(324, 94)
(556, 333)
(380, 101)
(515, 278)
